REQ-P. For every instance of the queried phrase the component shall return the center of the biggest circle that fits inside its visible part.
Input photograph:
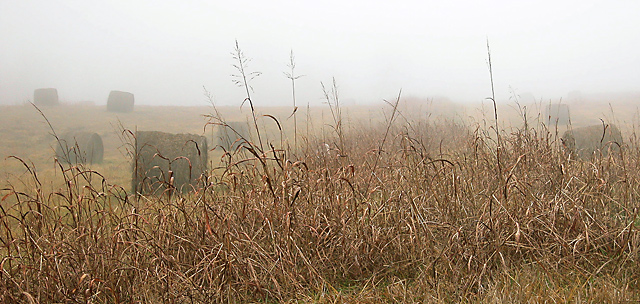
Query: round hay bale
(557, 114)
(46, 97)
(584, 142)
(233, 135)
(80, 148)
(168, 161)
(119, 101)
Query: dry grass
(403, 210)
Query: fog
(165, 52)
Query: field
(409, 202)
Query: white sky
(166, 51)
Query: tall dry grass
(406, 210)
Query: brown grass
(403, 210)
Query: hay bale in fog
(46, 97)
(80, 148)
(119, 101)
(583, 142)
(234, 135)
(557, 114)
(161, 157)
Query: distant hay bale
(161, 157)
(119, 101)
(46, 97)
(234, 135)
(80, 148)
(583, 142)
(557, 114)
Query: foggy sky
(166, 51)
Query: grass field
(406, 204)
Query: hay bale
(557, 114)
(162, 156)
(234, 135)
(80, 148)
(119, 101)
(46, 97)
(584, 142)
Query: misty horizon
(166, 52)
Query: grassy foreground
(403, 210)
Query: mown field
(409, 204)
